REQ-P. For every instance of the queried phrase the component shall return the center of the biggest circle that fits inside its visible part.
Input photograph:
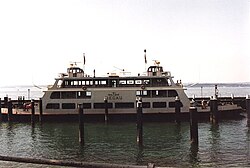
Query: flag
(145, 58)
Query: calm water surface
(165, 144)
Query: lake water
(165, 144)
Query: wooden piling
(1, 118)
(6, 99)
(139, 122)
(193, 125)
(40, 110)
(106, 117)
(214, 116)
(248, 109)
(177, 110)
(10, 111)
(81, 124)
(32, 112)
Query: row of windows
(116, 82)
(110, 105)
(87, 94)
(156, 93)
(71, 95)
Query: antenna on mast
(145, 59)
(84, 60)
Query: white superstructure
(157, 89)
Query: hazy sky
(197, 40)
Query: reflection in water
(165, 144)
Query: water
(165, 144)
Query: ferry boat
(156, 88)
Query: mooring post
(32, 111)
(214, 116)
(40, 110)
(1, 110)
(6, 99)
(106, 117)
(193, 124)
(177, 110)
(139, 121)
(248, 109)
(10, 111)
(81, 124)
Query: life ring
(142, 87)
(84, 88)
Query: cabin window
(103, 82)
(60, 83)
(146, 81)
(88, 82)
(52, 106)
(75, 83)
(102, 105)
(159, 93)
(86, 105)
(68, 95)
(81, 94)
(172, 93)
(138, 82)
(130, 82)
(124, 105)
(159, 104)
(171, 104)
(88, 94)
(122, 82)
(145, 104)
(55, 95)
(142, 93)
(68, 106)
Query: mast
(145, 59)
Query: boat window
(130, 82)
(81, 94)
(171, 104)
(75, 83)
(86, 105)
(146, 81)
(88, 94)
(138, 82)
(102, 105)
(172, 93)
(113, 82)
(68, 106)
(59, 84)
(145, 104)
(103, 82)
(159, 104)
(55, 95)
(159, 93)
(68, 95)
(52, 106)
(124, 105)
(142, 93)
(122, 82)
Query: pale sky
(197, 40)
